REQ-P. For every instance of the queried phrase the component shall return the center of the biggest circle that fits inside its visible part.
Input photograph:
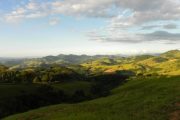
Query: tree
(45, 78)
(36, 80)
(78, 96)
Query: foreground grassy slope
(17, 98)
(138, 99)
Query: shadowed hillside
(151, 98)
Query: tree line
(39, 75)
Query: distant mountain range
(60, 59)
(163, 62)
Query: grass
(165, 64)
(10, 90)
(139, 99)
(16, 98)
(7, 90)
(71, 87)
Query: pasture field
(143, 98)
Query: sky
(51, 27)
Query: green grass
(71, 87)
(165, 64)
(138, 99)
(7, 90)
(16, 98)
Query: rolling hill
(150, 93)
(154, 98)
(142, 64)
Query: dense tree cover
(36, 96)
(39, 96)
(39, 75)
(46, 94)
(43, 93)
(106, 82)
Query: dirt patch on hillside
(176, 114)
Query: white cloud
(54, 21)
(126, 37)
(121, 14)
(141, 10)
(170, 26)
(35, 15)
(33, 9)
(32, 6)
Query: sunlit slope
(165, 64)
(138, 99)
(162, 65)
(171, 54)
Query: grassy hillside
(164, 64)
(139, 99)
(9, 90)
(172, 54)
(16, 98)
(71, 87)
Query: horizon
(37, 28)
(121, 55)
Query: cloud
(157, 36)
(16, 15)
(32, 5)
(54, 21)
(111, 36)
(142, 10)
(122, 16)
(170, 26)
(162, 35)
(149, 27)
(87, 8)
(163, 26)
(31, 10)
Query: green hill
(164, 64)
(171, 54)
(154, 98)
(99, 63)
(142, 57)
(3, 68)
